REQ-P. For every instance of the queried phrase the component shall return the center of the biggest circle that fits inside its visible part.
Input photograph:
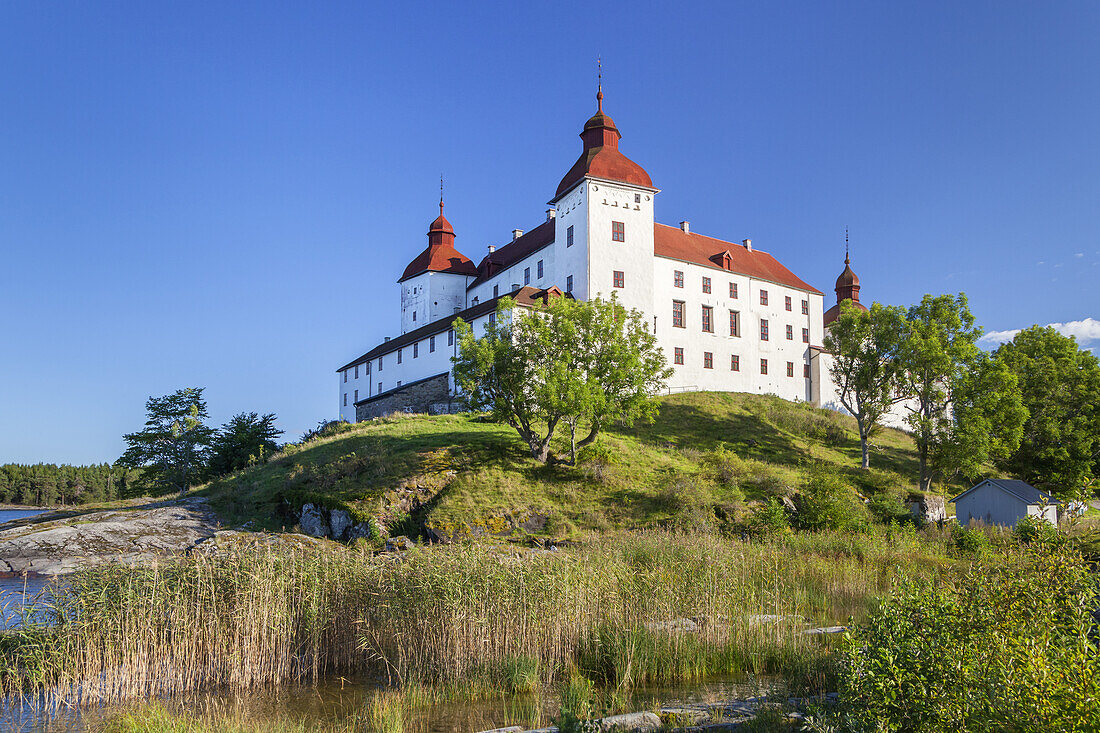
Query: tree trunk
(573, 443)
(865, 457)
(925, 473)
(591, 438)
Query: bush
(889, 508)
(769, 519)
(1036, 530)
(970, 540)
(828, 502)
(1006, 648)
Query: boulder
(359, 530)
(313, 522)
(645, 722)
(399, 544)
(340, 522)
(928, 509)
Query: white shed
(1004, 502)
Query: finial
(846, 246)
(441, 195)
(599, 84)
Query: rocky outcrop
(496, 526)
(928, 509)
(317, 521)
(58, 543)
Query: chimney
(516, 234)
(492, 248)
(747, 243)
(387, 338)
(550, 214)
(685, 227)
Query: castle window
(678, 355)
(356, 398)
(474, 302)
(678, 279)
(380, 363)
(540, 269)
(678, 313)
(637, 198)
(416, 349)
(805, 335)
(379, 388)
(618, 279)
(735, 363)
(345, 399)
(806, 371)
(763, 297)
(496, 290)
(790, 333)
(366, 368)
(787, 302)
(569, 283)
(431, 344)
(345, 373)
(357, 371)
(763, 366)
(706, 284)
(450, 338)
(735, 323)
(618, 232)
(569, 236)
(527, 276)
(763, 329)
(414, 316)
(708, 360)
(708, 319)
(790, 368)
(805, 307)
(399, 356)
(492, 318)
(733, 290)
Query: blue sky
(223, 194)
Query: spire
(441, 195)
(846, 262)
(599, 85)
(441, 231)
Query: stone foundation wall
(425, 395)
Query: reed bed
(623, 610)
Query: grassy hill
(708, 458)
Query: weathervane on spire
(599, 84)
(846, 245)
(441, 195)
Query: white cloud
(1079, 254)
(1085, 331)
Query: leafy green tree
(865, 348)
(1060, 449)
(173, 448)
(966, 408)
(246, 439)
(582, 363)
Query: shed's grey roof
(1022, 490)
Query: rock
(929, 509)
(826, 630)
(340, 522)
(509, 729)
(757, 619)
(683, 717)
(399, 544)
(789, 504)
(359, 530)
(682, 625)
(631, 723)
(313, 522)
(58, 543)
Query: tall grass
(624, 610)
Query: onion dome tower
(847, 288)
(600, 157)
(434, 283)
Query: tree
(865, 346)
(1060, 449)
(172, 449)
(246, 439)
(966, 408)
(582, 363)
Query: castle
(728, 317)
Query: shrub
(769, 519)
(970, 540)
(596, 460)
(889, 508)
(1006, 648)
(1036, 530)
(827, 502)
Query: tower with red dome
(847, 288)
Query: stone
(137, 533)
(313, 522)
(340, 522)
(826, 630)
(929, 509)
(645, 722)
(683, 717)
(509, 729)
(681, 625)
(359, 530)
(399, 544)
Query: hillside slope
(706, 459)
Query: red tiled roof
(511, 253)
(674, 243)
(525, 297)
(439, 258)
(834, 313)
(601, 157)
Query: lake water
(15, 593)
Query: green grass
(464, 474)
